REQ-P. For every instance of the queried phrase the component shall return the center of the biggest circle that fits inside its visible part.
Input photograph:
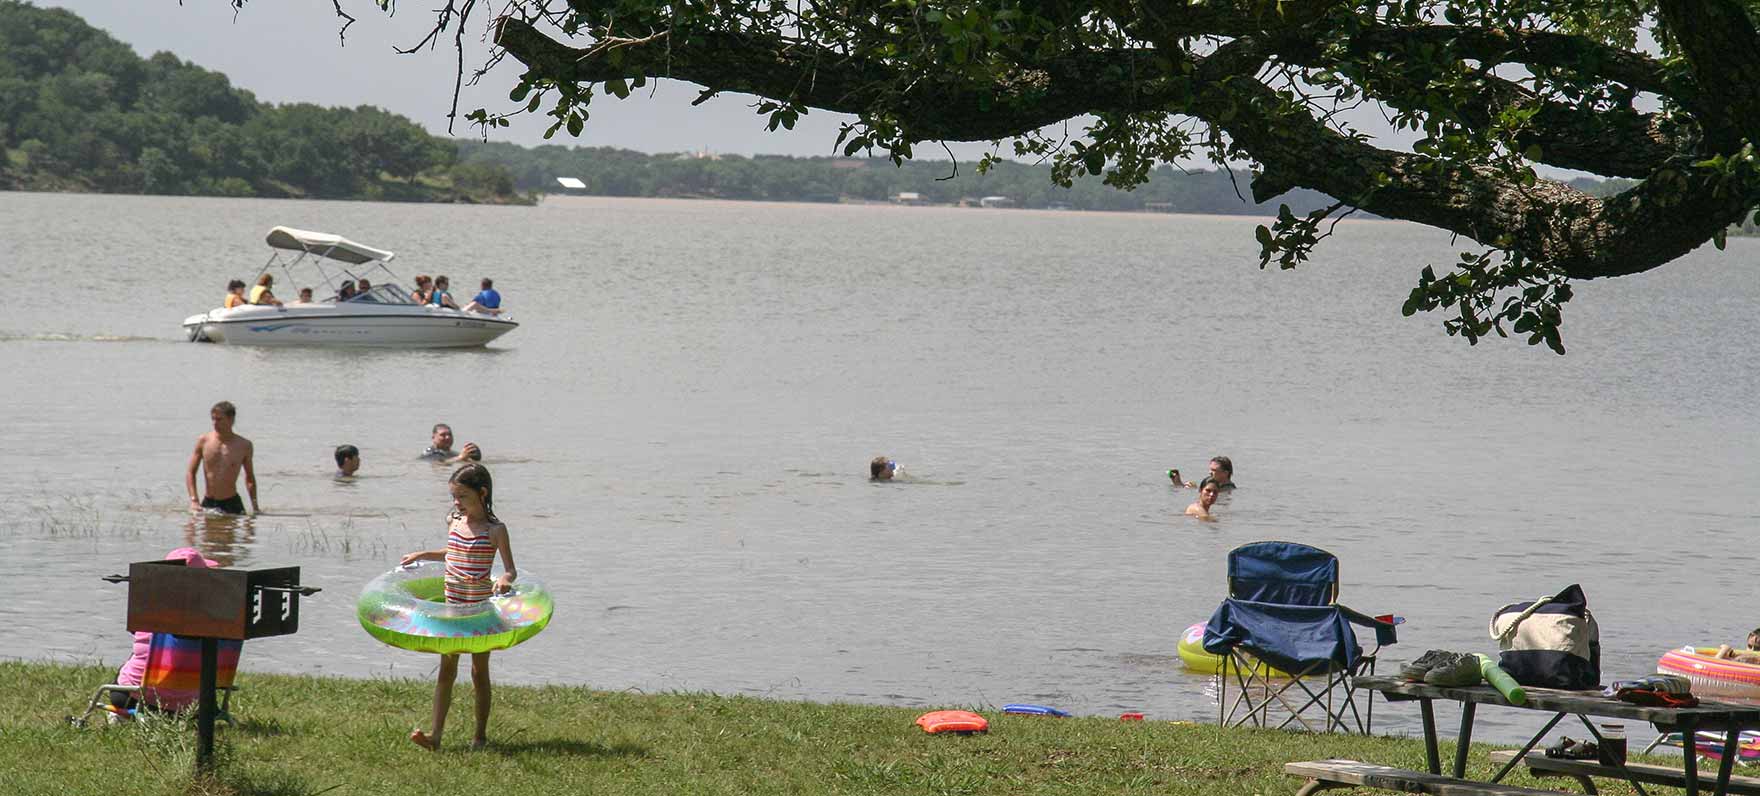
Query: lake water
(680, 431)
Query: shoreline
(303, 734)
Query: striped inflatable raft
(1193, 655)
(1712, 676)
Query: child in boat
(234, 294)
(1749, 655)
(473, 537)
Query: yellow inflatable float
(1191, 652)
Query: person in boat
(363, 287)
(234, 294)
(882, 468)
(348, 460)
(1206, 498)
(1749, 655)
(345, 293)
(424, 287)
(488, 301)
(305, 296)
(441, 297)
(262, 294)
(220, 455)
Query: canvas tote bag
(1552, 642)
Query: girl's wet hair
(476, 476)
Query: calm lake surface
(680, 431)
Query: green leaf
(574, 125)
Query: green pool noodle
(1500, 680)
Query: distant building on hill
(908, 198)
(571, 184)
(996, 201)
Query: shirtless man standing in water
(220, 454)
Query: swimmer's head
(1207, 494)
(348, 459)
(1221, 469)
(442, 436)
(472, 488)
(223, 414)
(1754, 639)
(882, 469)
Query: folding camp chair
(172, 681)
(1709, 745)
(1287, 645)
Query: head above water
(442, 437)
(1754, 639)
(882, 469)
(473, 491)
(348, 459)
(1221, 469)
(1207, 494)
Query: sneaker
(1459, 671)
(1414, 672)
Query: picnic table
(1724, 717)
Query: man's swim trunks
(231, 505)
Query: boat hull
(329, 326)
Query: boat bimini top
(325, 244)
(321, 246)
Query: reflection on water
(680, 442)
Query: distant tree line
(82, 111)
(621, 172)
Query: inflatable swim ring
(407, 609)
(1712, 676)
(1191, 652)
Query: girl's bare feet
(421, 739)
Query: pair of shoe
(1661, 683)
(1443, 668)
(1569, 748)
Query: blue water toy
(1033, 710)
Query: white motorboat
(382, 316)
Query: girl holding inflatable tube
(473, 538)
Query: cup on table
(1613, 744)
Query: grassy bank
(308, 735)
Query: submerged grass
(309, 735)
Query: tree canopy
(80, 110)
(1478, 93)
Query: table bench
(1584, 770)
(1328, 774)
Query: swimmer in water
(882, 469)
(1206, 499)
(348, 460)
(220, 454)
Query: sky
(287, 51)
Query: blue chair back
(1284, 573)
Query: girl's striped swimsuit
(468, 559)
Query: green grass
(310, 735)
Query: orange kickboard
(960, 721)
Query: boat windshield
(383, 294)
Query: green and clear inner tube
(406, 608)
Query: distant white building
(995, 201)
(908, 198)
(572, 183)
